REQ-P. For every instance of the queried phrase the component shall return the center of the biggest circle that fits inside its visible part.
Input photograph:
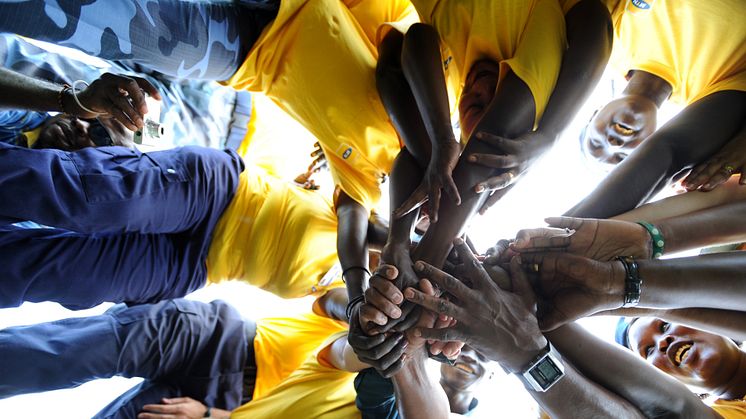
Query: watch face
(545, 373)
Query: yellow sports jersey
(317, 61)
(276, 236)
(699, 47)
(730, 409)
(525, 36)
(315, 390)
(282, 344)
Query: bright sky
(557, 182)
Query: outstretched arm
(675, 147)
(418, 395)
(352, 244)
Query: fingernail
(390, 272)
(480, 135)
(397, 299)
(472, 158)
(405, 344)
(519, 243)
(419, 265)
(435, 351)
(409, 293)
(396, 313)
(417, 332)
(479, 188)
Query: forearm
(589, 39)
(352, 244)
(421, 64)
(686, 203)
(652, 392)
(418, 395)
(24, 92)
(405, 176)
(575, 396)
(712, 226)
(707, 281)
(332, 304)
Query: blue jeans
(127, 226)
(180, 347)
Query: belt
(249, 369)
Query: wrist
(524, 354)
(655, 241)
(615, 291)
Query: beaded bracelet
(656, 237)
(632, 281)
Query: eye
(647, 351)
(665, 326)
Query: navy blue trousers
(127, 226)
(180, 347)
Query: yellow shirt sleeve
(282, 344)
(730, 409)
(312, 391)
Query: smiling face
(692, 356)
(466, 373)
(479, 90)
(618, 128)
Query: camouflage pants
(185, 39)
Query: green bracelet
(657, 238)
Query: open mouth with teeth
(622, 129)
(681, 354)
(464, 367)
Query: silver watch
(544, 371)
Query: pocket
(112, 174)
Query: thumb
(564, 222)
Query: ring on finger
(728, 169)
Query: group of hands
(117, 101)
(499, 303)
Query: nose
(615, 141)
(664, 342)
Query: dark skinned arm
(675, 147)
(352, 243)
(723, 322)
(589, 39)
(654, 393)
(417, 394)
(332, 304)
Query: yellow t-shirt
(315, 390)
(283, 343)
(730, 409)
(525, 36)
(699, 47)
(317, 61)
(276, 236)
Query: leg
(171, 342)
(178, 38)
(81, 271)
(515, 104)
(115, 189)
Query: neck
(642, 83)
(735, 388)
(459, 400)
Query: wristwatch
(544, 371)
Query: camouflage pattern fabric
(205, 40)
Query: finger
(495, 253)
(742, 179)
(718, 178)
(120, 116)
(132, 91)
(387, 290)
(505, 145)
(450, 334)
(133, 116)
(705, 173)
(147, 87)
(407, 309)
(415, 201)
(542, 237)
(161, 408)
(382, 303)
(387, 360)
(452, 349)
(452, 190)
(379, 351)
(497, 182)
(369, 313)
(410, 319)
(693, 180)
(176, 400)
(146, 415)
(521, 285)
(494, 161)
(434, 304)
(434, 200)
(393, 369)
(443, 280)
(358, 340)
(386, 271)
(489, 202)
(479, 277)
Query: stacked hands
(498, 303)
